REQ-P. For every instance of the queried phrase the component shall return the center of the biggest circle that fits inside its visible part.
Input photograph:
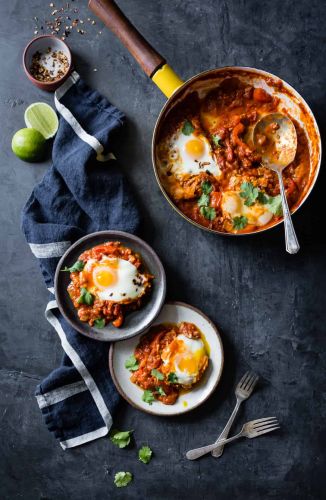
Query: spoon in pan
(275, 138)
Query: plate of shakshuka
(110, 285)
(171, 368)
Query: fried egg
(185, 357)
(191, 154)
(233, 205)
(113, 279)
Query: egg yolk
(104, 277)
(188, 364)
(195, 148)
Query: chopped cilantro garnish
(187, 128)
(157, 374)
(160, 390)
(206, 187)
(217, 140)
(262, 198)
(208, 212)
(120, 438)
(274, 204)
(85, 297)
(145, 454)
(77, 267)
(172, 378)
(99, 323)
(131, 364)
(148, 397)
(122, 479)
(249, 193)
(203, 200)
(240, 222)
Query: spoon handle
(291, 241)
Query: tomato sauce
(228, 114)
(102, 312)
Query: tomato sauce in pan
(222, 184)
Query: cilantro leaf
(148, 397)
(249, 193)
(86, 297)
(157, 374)
(131, 364)
(122, 479)
(274, 204)
(262, 198)
(208, 212)
(172, 378)
(217, 140)
(99, 323)
(206, 187)
(120, 438)
(240, 222)
(77, 267)
(160, 390)
(187, 128)
(145, 454)
(203, 200)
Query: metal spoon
(275, 138)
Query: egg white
(193, 348)
(233, 205)
(184, 163)
(129, 283)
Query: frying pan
(155, 66)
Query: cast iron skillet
(176, 90)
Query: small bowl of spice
(47, 62)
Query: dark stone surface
(270, 306)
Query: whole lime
(28, 144)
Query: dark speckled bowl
(135, 322)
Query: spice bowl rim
(39, 83)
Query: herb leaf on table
(145, 454)
(120, 438)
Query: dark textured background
(270, 306)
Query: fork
(251, 429)
(242, 392)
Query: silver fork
(242, 392)
(251, 429)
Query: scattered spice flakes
(59, 16)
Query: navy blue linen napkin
(82, 192)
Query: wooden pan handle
(147, 57)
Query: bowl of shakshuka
(110, 285)
(172, 367)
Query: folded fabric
(82, 192)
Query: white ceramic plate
(172, 312)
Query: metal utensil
(242, 392)
(251, 429)
(275, 138)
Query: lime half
(43, 118)
(28, 144)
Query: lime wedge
(28, 144)
(43, 118)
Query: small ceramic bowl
(136, 321)
(172, 312)
(42, 44)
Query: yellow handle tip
(167, 80)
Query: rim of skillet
(187, 410)
(82, 327)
